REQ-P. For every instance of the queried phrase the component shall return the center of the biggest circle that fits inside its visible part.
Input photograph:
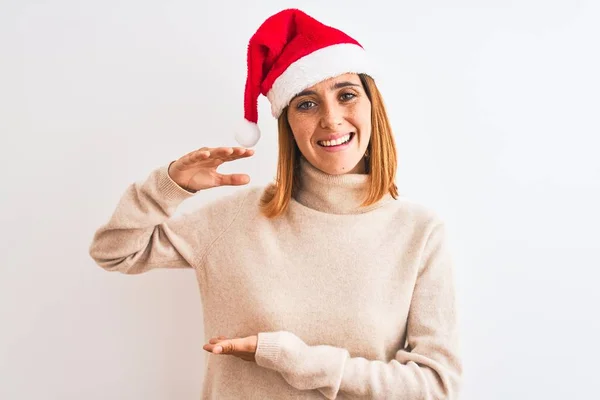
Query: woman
(325, 283)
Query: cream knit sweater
(347, 302)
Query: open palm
(198, 170)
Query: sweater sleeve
(142, 233)
(430, 367)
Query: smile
(339, 142)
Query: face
(331, 123)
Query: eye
(305, 105)
(347, 96)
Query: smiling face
(331, 124)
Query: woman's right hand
(198, 170)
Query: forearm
(331, 370)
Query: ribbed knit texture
(347, 302)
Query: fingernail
(218, 349)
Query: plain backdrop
(495, 110)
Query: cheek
(302, 127)
(361, 117)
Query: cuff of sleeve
(172, 192)
(302, 366)
(268, 349)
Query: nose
(332, 115)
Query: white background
(495, 109)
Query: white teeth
(336, 142)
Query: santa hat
(290, 52)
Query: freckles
(360, 108)
(352, 112)
(359, 113)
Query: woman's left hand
(244, 348)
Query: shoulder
(420, 225)
(416, 219)
(409, 209)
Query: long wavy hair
(381, 162)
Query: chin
(340, 168)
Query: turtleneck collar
(334, 194)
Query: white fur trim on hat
(311, 69)
(247, 133)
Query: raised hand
(198, 170)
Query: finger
(216, 153)
(239, 152)
(224, 347)
(242, 152)
(217, 339)
(210, 347)
(196, 156)
(231, 153)
(229, 346)
(201, 154)
(233, 179)
(221, 152)
(241, 344)
(214, 342)
(201, 149)
(235, 156)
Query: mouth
(337, 144)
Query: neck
(333, 194)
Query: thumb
(234, 345)
(227, 346)
(233, 179)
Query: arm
(430, 368)
(141, 235)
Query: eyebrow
(335, 86)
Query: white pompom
(247, 134)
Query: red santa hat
(290, 52)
